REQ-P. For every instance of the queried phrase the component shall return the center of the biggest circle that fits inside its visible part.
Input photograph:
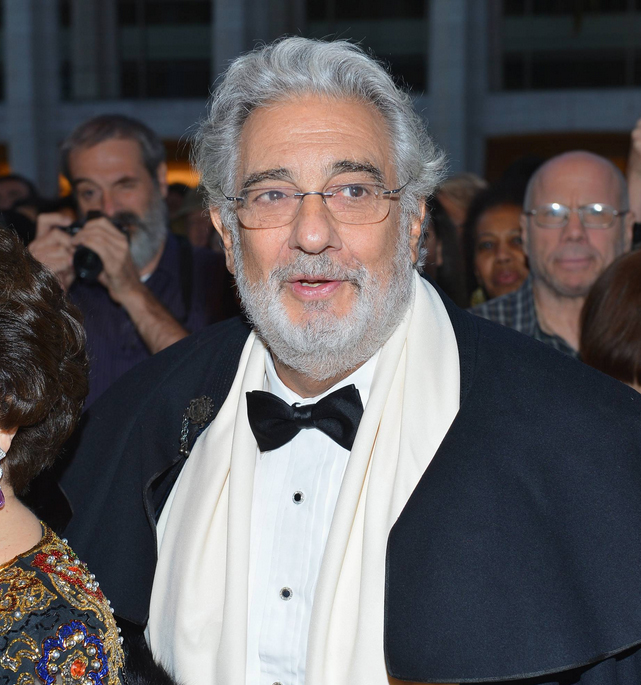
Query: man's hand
(156, 326)
(634, 171)
(54, 248)
(119, 274)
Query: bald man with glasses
(576, 221)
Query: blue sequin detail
(58, 643)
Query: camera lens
(87, 264)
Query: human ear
(628, 230)
(524, 234)
(6, 436)
(416, 228)
(225, 236)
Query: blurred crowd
(142, 260)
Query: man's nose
(108, 205)
(574, 229)
(102, 202)
(314, 228)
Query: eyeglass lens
(594, 215)
(361, 203)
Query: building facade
(496, 79)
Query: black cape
(518, 556)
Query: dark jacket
(518, 554)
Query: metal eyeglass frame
(580, 211)
(323, 195)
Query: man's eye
(596, 210)
(553, 212)
(517, 240)
(270, 196)
(86, 194)
(353, 192)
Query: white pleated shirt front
(296, 488)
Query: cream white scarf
(198, 614)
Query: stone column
(228, 27)
(239, 24)
(271, 19)
(478, 70)
(94, 53)
(457, 66)
(32, 89)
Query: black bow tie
(274, 422)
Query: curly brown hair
(43, 365)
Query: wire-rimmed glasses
(348, 203)
(594, 215)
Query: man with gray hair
(576, 221)
(139, 288)
(330, 495)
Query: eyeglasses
(350, 203)
(595, 215)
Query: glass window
(165, 48)
(164, 12)
(142, 49)
(554, 44)
(395, 32)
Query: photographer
(151, 289)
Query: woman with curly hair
(56, 626)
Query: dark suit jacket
(517, 556)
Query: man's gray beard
(148, 233)
(328, 346)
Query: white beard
(148, 233)
(327, 346)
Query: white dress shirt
(296, 488)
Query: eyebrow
(77, 181)
(347, 165)
(278, 174)
(344, 166)
(122, 179)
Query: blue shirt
(113, 343)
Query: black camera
(86, 263)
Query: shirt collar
(169, 260)
(362, 378)
(530, 322)
(533, 328)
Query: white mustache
(318, 266)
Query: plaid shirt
(516, 310)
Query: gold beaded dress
(56, 627)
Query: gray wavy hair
(295, 67)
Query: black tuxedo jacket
(517, 557)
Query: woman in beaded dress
(56, 626)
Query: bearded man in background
(154, 289)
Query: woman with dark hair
(56, 626)
(611, 321)
(494, 257)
